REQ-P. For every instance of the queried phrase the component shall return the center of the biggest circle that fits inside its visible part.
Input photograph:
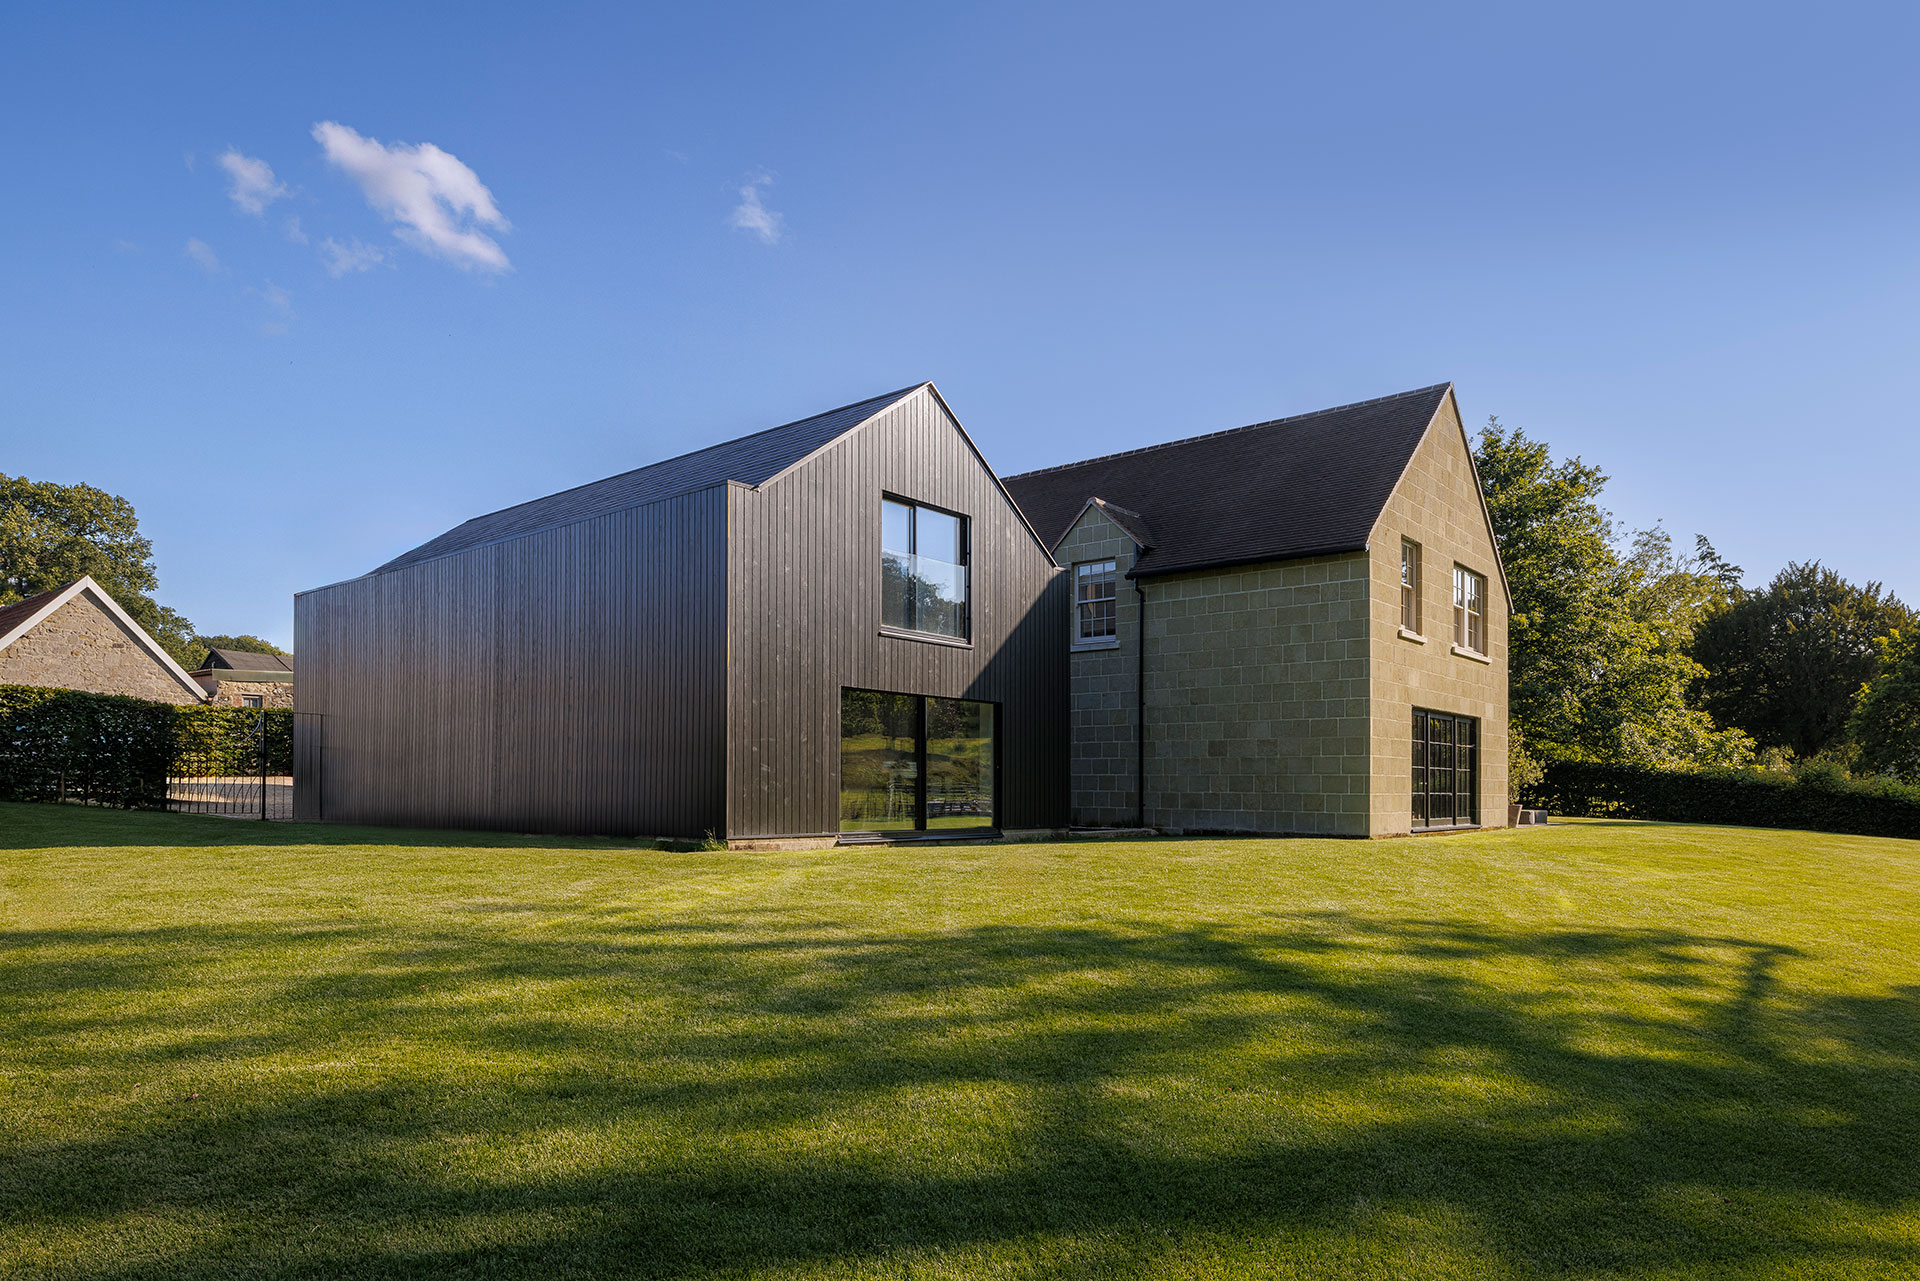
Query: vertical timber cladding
(804, 623)
(571, 680)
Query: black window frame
(920, 739)
(914, 505)
(1446, 763)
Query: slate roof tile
(1309, 485)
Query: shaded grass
(1589, 1050)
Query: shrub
(106, 749)
(58, 744)
(1815, 799)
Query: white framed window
(1096, 589)
(1410, 585)
(252, 700)
(1469, 609)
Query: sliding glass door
(909, 763)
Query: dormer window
(924, 584)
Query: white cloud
(253, 185)
(295, 232)
(354, 256)
(203, 256)
(751, 215)
(437, 200)
(280, 303)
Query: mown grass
(1618, 1050)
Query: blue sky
(1677, 240)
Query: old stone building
(78, 637)
(243, 678)
(1324, 648)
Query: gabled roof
(750, 460)
(21, 617)
(245, 660)
(1310, 485)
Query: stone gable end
(1436, 504)
(82, 646)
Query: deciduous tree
(1785, 664)
(51, 534)
(1886, 716)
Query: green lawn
(1588, 1050)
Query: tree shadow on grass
(743, 1094)
(26, 827)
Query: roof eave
(1234, 562)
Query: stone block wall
(82, 646)
(1257, 688)
(1437, 505)
(1104, 758)
(228, 693)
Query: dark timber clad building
(847, 626)
(842, 624)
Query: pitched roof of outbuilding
(750, 460)
(246, 660)
(1310, 485)
(11, 616)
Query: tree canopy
(51, 534)
(1886, 716)
(1597, 646)
(1785, 663)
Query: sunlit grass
(1588, 1050)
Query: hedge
(1814, 802)
(106, 749)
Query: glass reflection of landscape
(959, 763)
(881, 747)
(923, 580)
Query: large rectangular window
(909, 763)
(1410, 585)
(1446, 770)
(923, 569)
(1095, 587)
(1469, 609)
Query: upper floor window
(923, 569)
(1410, 585)
(252, 700)
(1469, 609)
(1095, 587)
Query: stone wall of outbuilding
(82, 646)
(227, 693)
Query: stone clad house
(78, 637)
(1325, 638)
(849, 628)
(242, 678)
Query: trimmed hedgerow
(1816, 800)
(226, 740)
(107, 749)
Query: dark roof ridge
(695, 453)
(1230, 431)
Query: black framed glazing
(915, 763)
(1446, 770)
(925, 583)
